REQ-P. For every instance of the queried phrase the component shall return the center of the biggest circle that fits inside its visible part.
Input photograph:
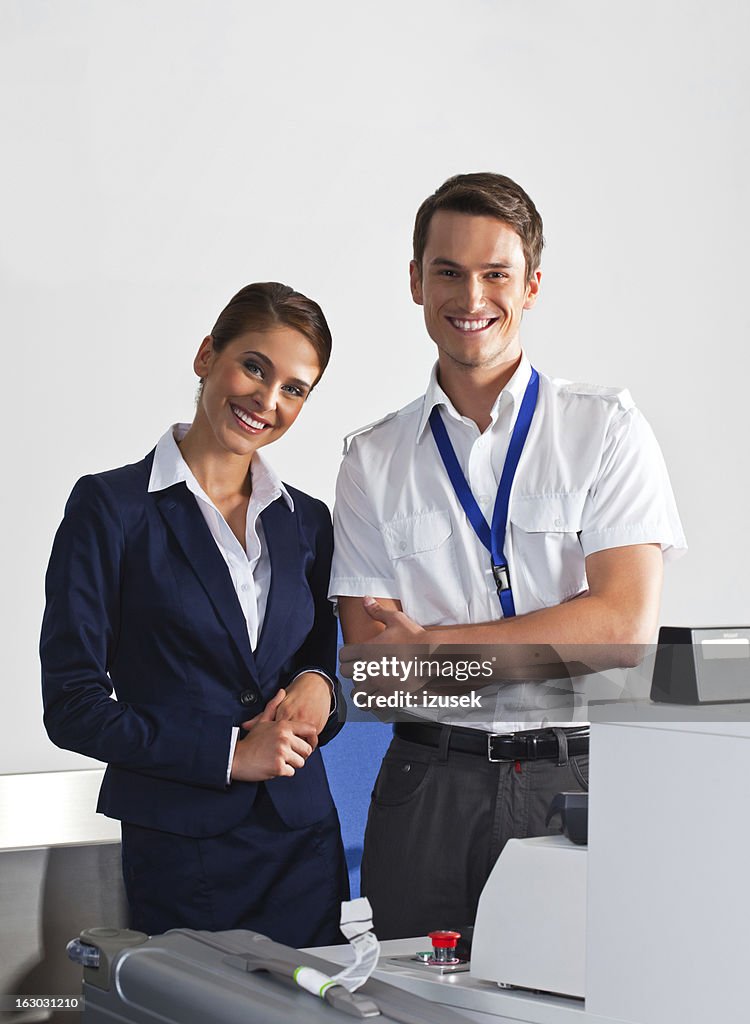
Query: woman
(194, 584)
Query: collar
(170, 468)
(514, 389)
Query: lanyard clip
(502, 577)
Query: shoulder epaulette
(614, 394)
(364, 430)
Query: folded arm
(606, 627)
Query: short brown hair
(485, 194)
(263, 306)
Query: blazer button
(247, 697)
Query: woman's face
(255, 387)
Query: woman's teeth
(247, 418)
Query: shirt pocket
(546, 550)
(421, 550)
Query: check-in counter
(664, 933)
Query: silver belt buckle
(496, 760)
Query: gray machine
(702, 665)
(190, 977)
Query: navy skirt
(285, 883)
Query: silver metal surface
(47, 896)
(59, 872)
(418, 960)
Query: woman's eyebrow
(259, 356)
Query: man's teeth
(471, 325)
(247, 418)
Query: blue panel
(352, 761)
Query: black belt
(535, 745)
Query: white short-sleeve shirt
(591, 477)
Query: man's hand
(308, 699)
(272, 748)
(397, 630)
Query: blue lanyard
(492, 538)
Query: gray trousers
(437, 823)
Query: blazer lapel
(180, 510)
(280, 531)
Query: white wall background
(159, 155)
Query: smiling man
(502, 507)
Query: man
(577, 510)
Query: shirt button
(402, 546)
(245, 586)
(247, 697)
(558, 522)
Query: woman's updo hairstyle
(263, 306)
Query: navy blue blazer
(140, 600)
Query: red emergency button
(444, 946)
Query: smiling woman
(253, 388)
(193, 584)
(265, 354)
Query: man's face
(472, 285)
